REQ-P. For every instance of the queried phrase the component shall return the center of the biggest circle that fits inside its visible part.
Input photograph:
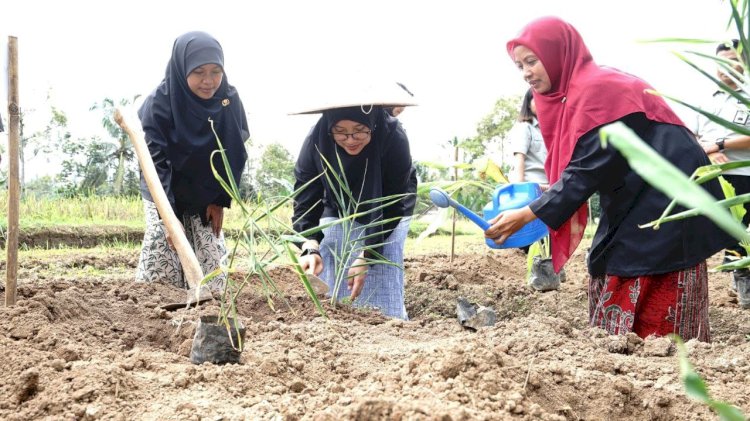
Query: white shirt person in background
(724, 145)
(528, 146)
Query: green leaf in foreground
(695, 387)
(668, 179)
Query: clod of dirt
(657, 346)
(28, 385)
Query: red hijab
(583, 96)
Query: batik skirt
(675, 302)
(160, 263)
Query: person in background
(395, 111)
(2, 129)
(177, 119)
(644, 281)
(527, 146)
(724, 145)
(376, 161)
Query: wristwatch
(720, 144)
(309, 251)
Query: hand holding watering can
(518, 227)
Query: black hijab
(176, 121)
(382, 168)
(364, 172)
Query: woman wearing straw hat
(369, 152)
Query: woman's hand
(718, 158)
(170, 241)
(355, 279)
(507, 223)
(311, 262)
(215, 215)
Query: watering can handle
(496, 196)
(511, 186)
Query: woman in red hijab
(644, 281)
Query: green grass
(128, 211)
(463, 227)
(442, 244)
(95, 210)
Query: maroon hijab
(583, 96)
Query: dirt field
(85, 342)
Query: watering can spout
(506, 197)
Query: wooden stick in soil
(453, 228)
(190, 265)
(14, 190)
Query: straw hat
(356, 94)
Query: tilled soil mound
(85, 342)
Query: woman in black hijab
(177, 121)
(375, 159)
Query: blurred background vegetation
(98, 182)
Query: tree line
(107, 166)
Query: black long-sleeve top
(619, 246)
(382, 168)
(184, 168)
(181, 130)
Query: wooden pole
(455, 178)
(14, 125)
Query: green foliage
(261, 238)
(123, 155)
(463, 227)
(90, 166)
(85, 170)
(695, 387)
(45, 141)
(354, 234)
(264, 240)
(685, 191)
(668, 179)
(275, 177)
(44, 210)
(78, 210)
(493, 127)
(473, 160)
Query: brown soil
(85, 342)
(78, 236)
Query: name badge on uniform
(741, 117)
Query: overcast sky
(451, 54)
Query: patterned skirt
(675, 302)
(159, 263)
(384, 284)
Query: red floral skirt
(675, 302)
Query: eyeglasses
(358, 136)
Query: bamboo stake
(14, 114)
(455, 178)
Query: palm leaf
(665, 177)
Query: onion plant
(355, 234)
(268, 239)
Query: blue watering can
(509, 196)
